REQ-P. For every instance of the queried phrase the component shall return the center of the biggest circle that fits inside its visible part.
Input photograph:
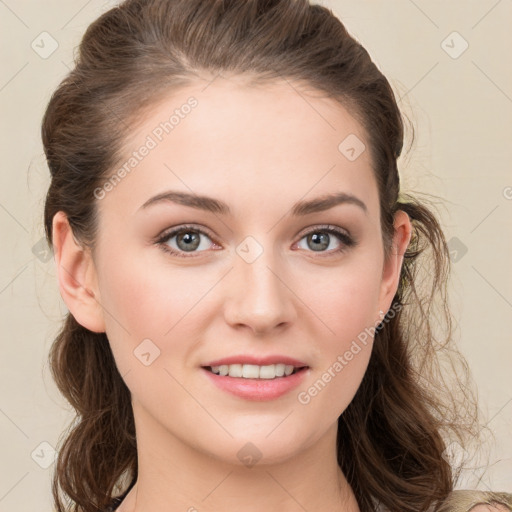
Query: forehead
(234, 140)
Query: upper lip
(259, 361)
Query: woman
(247, 325)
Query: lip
(256, 389)
(260, 361)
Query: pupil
(317, 243)
(189, 237)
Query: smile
(256, 383)
(253, 371)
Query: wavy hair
(392, 438)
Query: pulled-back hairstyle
(393, 435)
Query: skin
(259, 149)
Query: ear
(77, 276)
(392, 268)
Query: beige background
(461, 106)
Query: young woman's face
(260, 276)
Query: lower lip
(257, 389)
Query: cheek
(145, 299)
(345, 300)
(141, 302)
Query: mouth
(256, 382)
(256, 372)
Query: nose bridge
(261, 300)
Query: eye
(187, 240)
(320, 238)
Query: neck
(172, 476)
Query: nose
(260, 298)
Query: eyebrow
(210, 204)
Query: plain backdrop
(449, 63)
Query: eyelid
(323, 227)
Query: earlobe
(392, 268)
(77, 276)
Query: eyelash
(347, 241)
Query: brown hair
(392, 437)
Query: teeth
(252, 371)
